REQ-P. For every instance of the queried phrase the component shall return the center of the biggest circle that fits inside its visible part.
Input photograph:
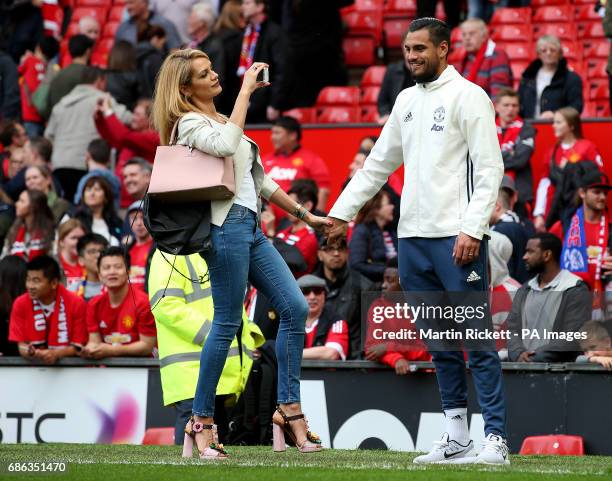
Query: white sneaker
(446, 451)
(494, 451)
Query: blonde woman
(186, 87)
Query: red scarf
(247, 53)
(480, 55)
(52, 331)
(507, 138)
(28, 249)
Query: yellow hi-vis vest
(183, 315)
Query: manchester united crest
(439, 114)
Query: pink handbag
(183, 173)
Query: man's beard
(535, 268)
(428, 76)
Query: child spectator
(32, 233)
(141, 247)
(48, 321)
(119, 321)
(597, 346)
(98, 162)
(38, 177)
(89, 248)
(12, 285)
(68, 235)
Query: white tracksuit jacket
(444, 133)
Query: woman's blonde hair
(169, 103)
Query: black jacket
(149, 61)
(397, 78)
(565, 90)
(232, 43)
(124, 87)
(511, 226)
(367, 251)
(213, 47)
(518, 160)
(10, 103)
(326, 320)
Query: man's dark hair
(9, 129)
(289, 124)
(48, 265)
(506, 92)
(88, 239)
(144, 164)
(100, 151)
(90, 74)
(114, 251)
(49, 46)
(306, 190)
(550, 242)
(79, 44)
(438, 30)
(43, 146)
(392, 263)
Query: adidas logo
(473, 277)
(103, 325)
(408, 117)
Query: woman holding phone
(186, 87)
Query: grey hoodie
(71, 126)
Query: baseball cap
(309, 280)
(136, 205)
(595, 178)
(508, 183)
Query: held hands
(318, 223)
(249, 82)
(466, 249)
(336, 230)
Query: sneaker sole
(469, 455)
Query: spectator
(507, 222)
(597, 346)
(517, 142)
(48, 321)
(344, 289)
(178, 13)
(9, 88)
(548, 84)
(32, 233)
(32, 70)
(607, 26)
(136, 177)
(141, 246)
(13, 136)
(96, 210)
(89, 248)
(326, 336)
(372, 244)
(80, 48)
(395, 354)
(452, 10)
(586, 238)
(554, 301)
(12, 285)
(122, 80)
(98, 163)
(397, 78)
(119, 321)
(484, 8)
(150, 54)
(290, 161)
(481, 61)
(264, 41)
(569, 149)
(38, 177)
(199, 27)
(17, 161)
(71, 128)
(139, 13)
(90, 27)
(68, 235)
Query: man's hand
(525, 356)
(336, 231)
(604, 361)
(547, 115)
(48, 356)
(268, 219)
(272, 113)
(318, 223)
(402, 367)
(97, 350)
(376, 352)
(466, 249)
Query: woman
(373, 242)
(548, 84)
(97, 212)
(38, 177)
(12, 285)
(186, 88)
(32, 233)
(570, 148)
(68, 235)
(122, 77)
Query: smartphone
(264, 75)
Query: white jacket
(444, 133)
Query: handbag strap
(175, 128)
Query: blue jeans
(241, 252)
(427, 265)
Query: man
(517, 142)
(607, 27)
(178, 12)
(199, 28)
(47, 321)
(98, 159)
(71, 127)
(452, 10)
(443, 130)
(290, 161)
(480, 60)
(89, 248)
(183, 309)
(397, 78)
(9, 88)
(141, 246)
(90, 27)
(326, 337)
(139, 13)
(136, 177)
(554, 301)
(264, 41)
(344, 289)
(119, 320)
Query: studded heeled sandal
(311, 444)
(214, 450)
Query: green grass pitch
(147, 463)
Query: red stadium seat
(598, 70)
(591, 30)
(401, 9)
(598, 90)
(586, 13)
(119, 2)
(456, 39)
(518, 51)
(394, 30)
(565, 31)
(339, 115)
(94, 3)
(543, 3)
(110, 28)
(511, 33)
(572, 50)
(518, 67)
(511, 15)
(99, 13)
(116, 13)
(365, 23)
(159, 436)
(369, 114)
(73, 29)
(369, 5)
(370, 96)
(559, 444)
(373, 75)
(596, 49)
(596, 109)
(554, 14)
(104, 45)
(306, 115)
(578, 67)
(359, 51)
(99, 59)
(338, 96)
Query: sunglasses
(316, 290)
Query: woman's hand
(316, 222)
(249, 82)
(539, 223)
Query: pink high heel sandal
(311, 444)
(215, 450)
